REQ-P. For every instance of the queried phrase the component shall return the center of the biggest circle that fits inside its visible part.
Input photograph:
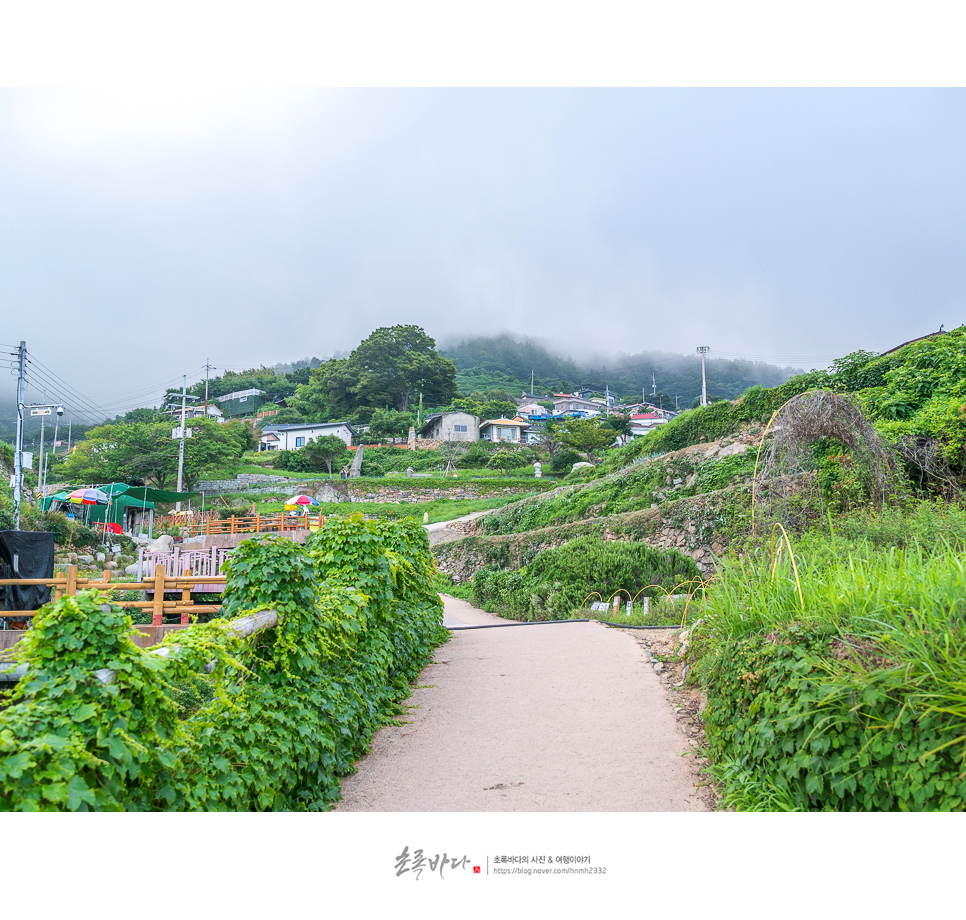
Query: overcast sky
(142, 233)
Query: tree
(485, 408)
(451, 451)
(396, 363)
(386, 371)
(329, 451)
(550, 443)
(621, 426)
(388, 423)
(139, 450)
(286, 416)
(586, 435)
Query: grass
(839, 683)
(443, 509)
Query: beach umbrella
(301, 503)
(88, 497)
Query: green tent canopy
(123, 497)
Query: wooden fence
(69, 584)
(195, 561)
(197, 526)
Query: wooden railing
(258, 523)
(69, 584)
(197, 561)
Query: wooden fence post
(233, 523)
(157, 613)
(186, 598)
(71, 588)
(258, 522)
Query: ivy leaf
(83, 712)
(55, 792)
(14, 766)
(77, 792)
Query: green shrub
(559, 580)
(564, 462)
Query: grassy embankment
(839, 683)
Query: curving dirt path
(531, 718)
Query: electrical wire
(84, 406)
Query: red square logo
(476, 870)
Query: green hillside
(829, 650)
(491, 364)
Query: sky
(145, 231)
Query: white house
(644, 422)
(292, 437)
(503, 429)
(566, 403)
(532, 409)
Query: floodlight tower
(703, 350)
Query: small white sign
(41, 411)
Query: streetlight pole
(703, 350)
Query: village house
(292, 437)
(643, 422)
(503, 429)
(530, 409)
(451, 426)
(576, 405)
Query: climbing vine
(285, 713)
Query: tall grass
(844, 686)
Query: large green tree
(386, 371)
(146, 451)
(586, 434)
(395, 364)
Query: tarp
(26, 554)
(142, 496)
(146, 493)
(122, 496)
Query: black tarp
(26, 554)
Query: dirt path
(553, 717)
(441, 532)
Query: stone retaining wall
(696, 526)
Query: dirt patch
(863, 651)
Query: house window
(300, 442)
(459, 428)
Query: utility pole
(676, 398)
(531, 381)
(208, 367)
(184, 393)
(53, 448)
(653, 386)
(70, 425)
(41, 469)
(703, 350)
(18, 448)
